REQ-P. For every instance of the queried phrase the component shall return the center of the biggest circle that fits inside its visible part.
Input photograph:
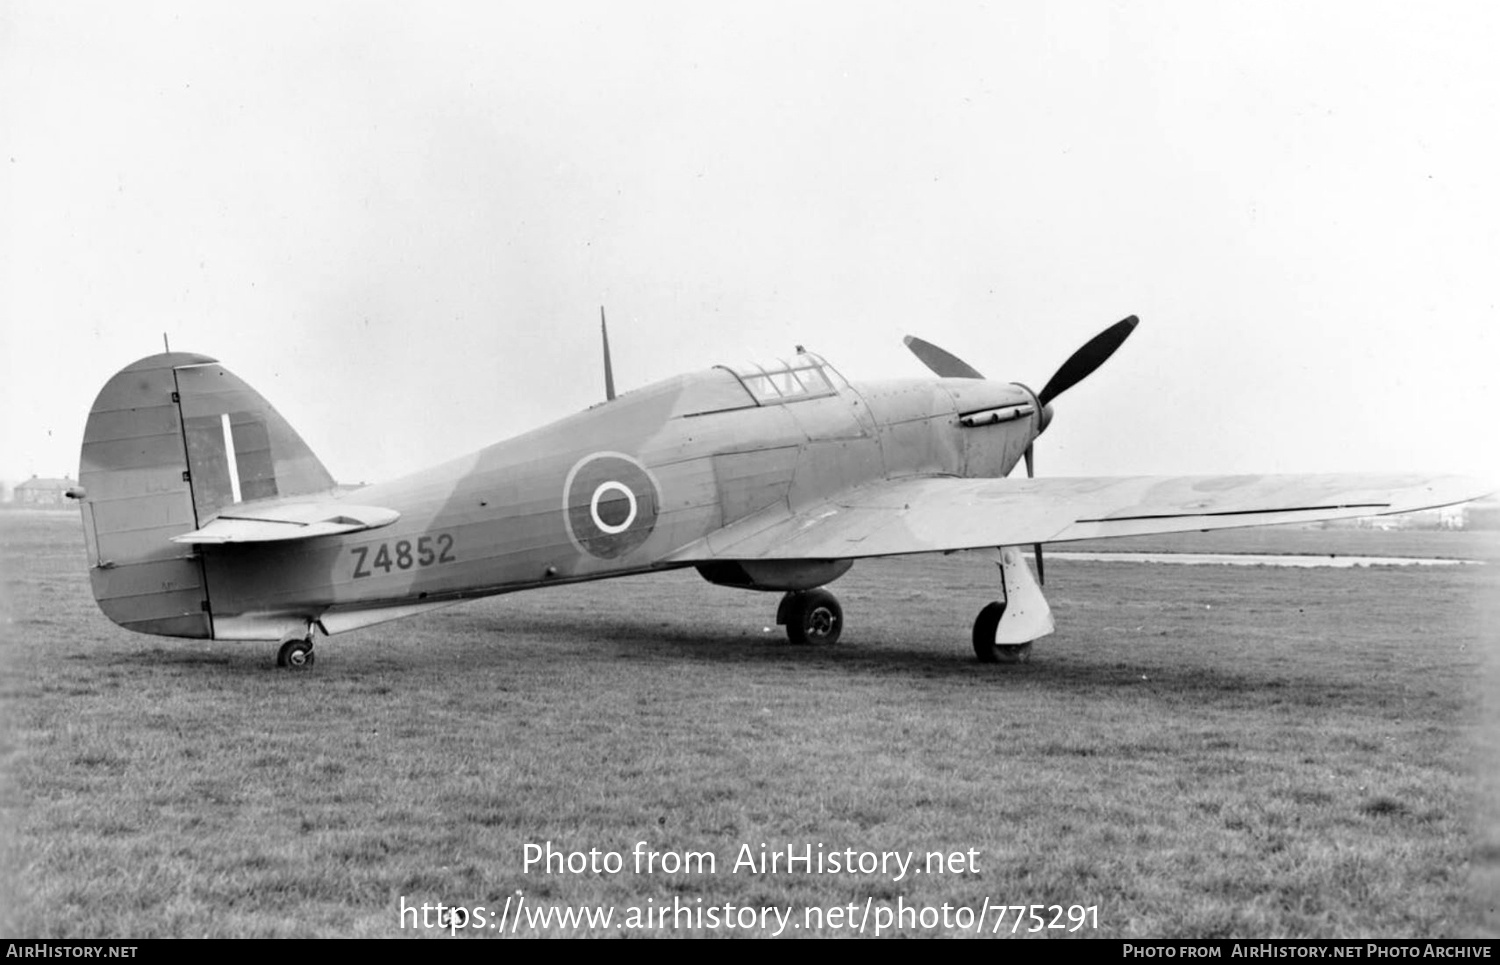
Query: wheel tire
(985, 626)
(814, 616)
(296, 655)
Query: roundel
(610, 503)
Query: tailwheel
(986, 626)
(296, 654)
(811, 616)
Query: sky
(398, 221)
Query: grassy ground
(1196, 752)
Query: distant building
(42, 492)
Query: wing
(937, 514)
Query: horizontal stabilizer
(288, 521)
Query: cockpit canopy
(805, 376)
(725, 388)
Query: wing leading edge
(937, 514)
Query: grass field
(1197, 751)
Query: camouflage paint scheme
(207, 516)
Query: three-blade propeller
(1079, 366)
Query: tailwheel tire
(985, 647)
(295, 655)
(813, 616)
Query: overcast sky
(398, 221)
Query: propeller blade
(945, 364)
(1041, 576)
(1082, 363)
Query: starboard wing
(939, 514)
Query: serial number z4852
(402, 554)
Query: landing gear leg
(1004, 630)
(811, 616)
(296, 654)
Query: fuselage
(619, 488)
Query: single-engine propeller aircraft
(207, 516)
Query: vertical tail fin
(239, 448)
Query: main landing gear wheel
(295, 655)
(985, 647)
(812, 616)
